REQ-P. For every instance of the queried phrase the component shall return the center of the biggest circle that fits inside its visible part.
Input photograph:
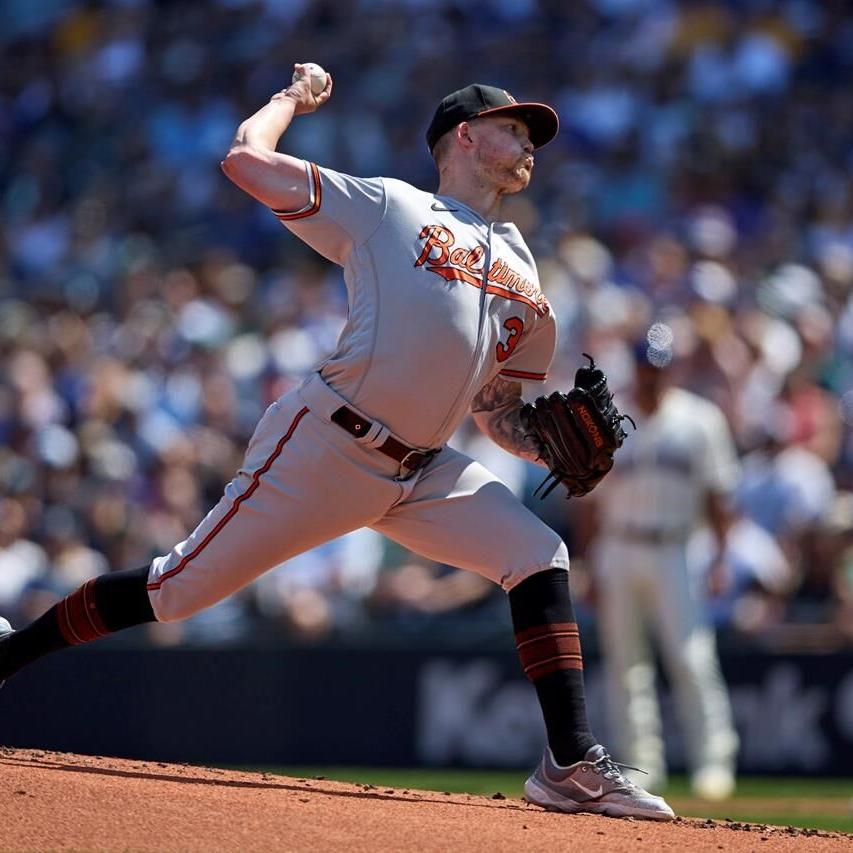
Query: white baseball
(316, 75)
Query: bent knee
(556, 558)
(169, 606)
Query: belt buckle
(404, 466)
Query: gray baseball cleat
(594, 784)
(5, 629)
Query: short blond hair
(442, 146)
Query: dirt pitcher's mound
(56, 801)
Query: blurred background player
(675, 476)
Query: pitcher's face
(504, 152)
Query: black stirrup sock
(549, 647)
(101, 606)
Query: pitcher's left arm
(497, 412)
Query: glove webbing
(594, 383)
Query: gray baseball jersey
(440, 302)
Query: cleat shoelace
(607, 767)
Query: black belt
(408, 457)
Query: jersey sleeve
(532, 357)
(342, 212)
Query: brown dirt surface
(56, 801)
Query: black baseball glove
(578, 432)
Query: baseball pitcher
(446, 317)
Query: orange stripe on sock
(553, 635)
(253, 486)
(78, 618)
(63, 619)
(544, 630)
(539, 670)
(90, 610)
(548, 648)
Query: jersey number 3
(515, 326)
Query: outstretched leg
(98, 608)
(458, 513)
(549, 647)
(576, 774)
(270, 512)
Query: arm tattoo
(497, 411)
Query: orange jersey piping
(314, 201)
(524, 374)
(253, 486)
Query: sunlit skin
(504, 156)
(484, 159)
(488, 158)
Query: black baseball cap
(477, 100)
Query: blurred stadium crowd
(149, 311)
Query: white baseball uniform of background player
(673, 476)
